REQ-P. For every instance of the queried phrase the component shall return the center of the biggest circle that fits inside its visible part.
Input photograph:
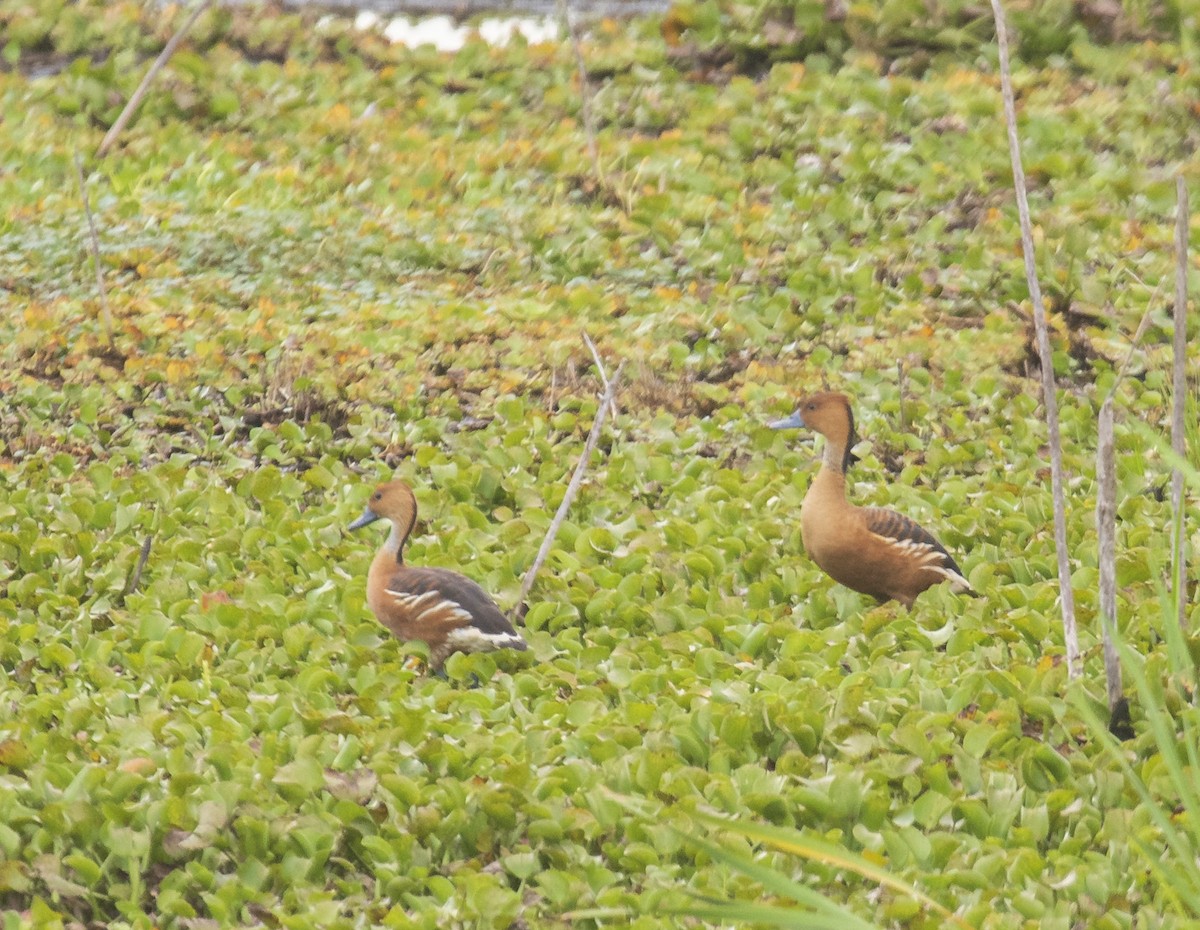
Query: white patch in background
(497, 31)
(439, 31)
(534, 29)
(445, 35)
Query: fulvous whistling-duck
(872, 550)
(446, 610)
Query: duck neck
(394, 546)
(829, 486)
(833, 461)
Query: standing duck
(446, 610)
(872, 550)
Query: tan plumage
(446, 610)
(872, 550)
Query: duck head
(393, 500)
(829, 414)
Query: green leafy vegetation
(909, 35)
(328, 261)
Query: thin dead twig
(622, 195)
(135, 101)
(135, 577)
(1106, 534)
(1179, 400)
(1045, 354)
(1106, 531)
(95, 243)
(1133, 344)
(585, 93)
(612, 406)
(518, 612)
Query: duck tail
(958, 581)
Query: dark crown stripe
(851, 439)
(412, 522)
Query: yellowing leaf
(14, 753)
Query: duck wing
(913, 542)
(446, 608)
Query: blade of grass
(1184, 669)
(1182, 877)
(778, 883)
(1191, 474)
(1162, 725)
(743, 912)
(800, 845)
(598, 913)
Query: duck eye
(378, 496)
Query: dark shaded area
(1120, 724)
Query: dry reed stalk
(135, 101)
(1179, 401)
(1045, 354)
(518, 611)
(585, 94)
(612, 407)
(95, 248)
(135, 577)
(1106, 531)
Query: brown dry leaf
(210, 599)
(141, 765)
